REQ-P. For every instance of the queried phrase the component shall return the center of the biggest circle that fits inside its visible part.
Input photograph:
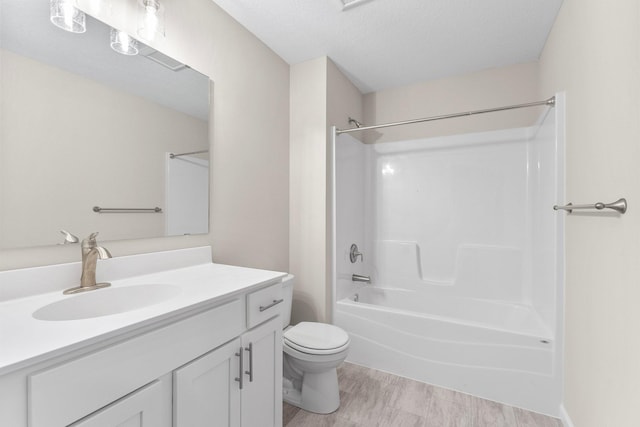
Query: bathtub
(495, 350)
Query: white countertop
(25, 340)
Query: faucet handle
(68, 238)
(90, 241)
(91, 238)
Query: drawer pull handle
(240, 378)
(267, 307)
(250, 371)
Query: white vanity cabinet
(182, 370)
(262, 386)
(239, 384)
(206, 391)
(143, 408)
(63, 394)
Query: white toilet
(312, 352)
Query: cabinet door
(205, 391)
(262, 392)
(143, 408)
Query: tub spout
(360, 278)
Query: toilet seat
(316, 338)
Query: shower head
(355, 122)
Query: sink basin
(107, 301)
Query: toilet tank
(287, 295)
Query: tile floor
(374, 398)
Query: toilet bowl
(312, 352)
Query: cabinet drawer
(264, 304)
(68, 392)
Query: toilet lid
(316, 336)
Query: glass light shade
(150, 19)
(123, 43)
(65, 15)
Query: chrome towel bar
(619, 205)
(98, 209)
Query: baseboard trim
(564, 417)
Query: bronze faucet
(91, 252)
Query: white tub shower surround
(465, 255)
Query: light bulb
(123, 43)
(65, 15)
(151, 20)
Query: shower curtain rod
(549, 102)
(171, 155)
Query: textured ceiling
(387, 43)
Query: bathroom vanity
(207, 351)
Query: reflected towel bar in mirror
(173, 155)
(98, 209)
(619, 206)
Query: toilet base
(320, 393)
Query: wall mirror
(84, 127)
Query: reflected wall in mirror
(84, 126)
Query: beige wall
(321, 97)
(495, 87)
(53, 176)
(250, 139)
(344, 100)
(593, 54)
(307, 230)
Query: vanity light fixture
(150, 19)
(64, 14)
(123, 43)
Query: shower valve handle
(354, 253)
